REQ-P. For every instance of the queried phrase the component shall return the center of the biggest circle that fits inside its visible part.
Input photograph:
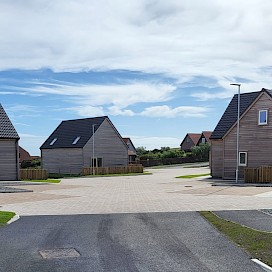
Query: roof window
(53, 141)
(76, 140)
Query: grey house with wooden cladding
(9, 148)
(70, 146)
(255, 136)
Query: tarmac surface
(159, 242)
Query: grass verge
(5, 217)
(43, 180)
(257, 243)
(193, 176)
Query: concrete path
(159, 192)
(256, 219)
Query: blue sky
(158, 69)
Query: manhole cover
(59, 253)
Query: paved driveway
(159, 192)
(152, 242)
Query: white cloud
(166, 111)
(88, 111)
(118, 95)
(181, 38)
(31, 143)
(150, 142)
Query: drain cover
(59, 253)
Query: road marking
(263, 265)
(13, 219)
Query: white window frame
(53, 141)
(259, 118)
(76, 140)
(243, 164)
(203, 140)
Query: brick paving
(159, 192)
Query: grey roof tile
(69, 130)
(229, 117)
(7, 130)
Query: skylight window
(76, 140)
(53, 141)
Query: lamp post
(93, 125)
(238, 131)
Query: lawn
(257, 243)
(5, 217)
(193, 176)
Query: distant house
(189, 141)
(9, 148)
(204, 137)
(23, 155)
(132, 153)
(83, 143)
(255, 136)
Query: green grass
(43, 180)
(118, 175)
(257, 243)
(193, 176)
(5, 217)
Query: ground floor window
(242, 158)
(97, 162)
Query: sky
(159, 69)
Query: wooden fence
(33, 174)
(262, 174)
(112, 170)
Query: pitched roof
(68, 131)
(229, 117)
(127, 141)
(7, 130)
(207, 135)
(194, 137)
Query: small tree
(201, 152)
(141, 151)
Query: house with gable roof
(255, 135)
(132, 153)
(189, 141)
(9, 148)
(83, 143)
(204, 137)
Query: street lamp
(93, 125)
(238, 131)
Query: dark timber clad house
(70, 146)
(132, 152)
(189, 141)
(255, 136)
(9, 148)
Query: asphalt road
(119, 242)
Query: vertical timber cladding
(8, 159)
(108, 145)
(254, 139)
(62, 160)
(217, 158)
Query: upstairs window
(53, 141)
(263, 117)
(203, 140)
(76, 140)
